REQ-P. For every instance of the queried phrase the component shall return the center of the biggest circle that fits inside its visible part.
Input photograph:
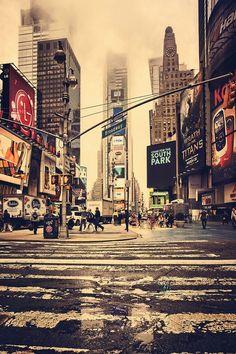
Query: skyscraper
(38, 41)
(117, 152)
(172, 75)
(50, 77)
(36, 25)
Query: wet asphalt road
(171, 291)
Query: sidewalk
(110, 233)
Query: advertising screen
(14, 157)
(230, 193)
(119, 171)
(223, 132)
(161, 165)
(191, 130)
(18, 98)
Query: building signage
(18, 98)
(18, 104)
(14, 158)
(113, 129)
(161, 165)
(191, 131)
(230, 192)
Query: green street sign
(114, 129)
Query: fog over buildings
(133, 28)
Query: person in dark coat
(35, 221)
(97, 220)
(126, 220)
(203, 217)
(7, 221)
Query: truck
(21, 207)
(105, 206)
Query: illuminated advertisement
(191, 130)
(18, 98)
(47, 169)
(119, 171)
(119, 183)
(14, 157)
(161, 166)
(223, 132)
(117, 95)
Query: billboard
(119, 194)
(18, 98)
(15, 156)
(230, 193)
(119, 171)
(117, 95)
(161, 165)
(223, 122)
(47, 169)
(191, 130)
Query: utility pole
(69, 80)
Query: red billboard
(18, 99)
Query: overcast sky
(134, 27)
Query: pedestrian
(126, 220)
(225, 219)
(170, 221)
(35, 221)
(203, 217)
(115, 217)
(83, 221)
(7, 221)
(97, 220)
(119, 217)
(90, 219)
(139, 218)
(233, 217)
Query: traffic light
(68, 180)
(231, 95)
(72, 168)
(55, 179)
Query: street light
(68, 81)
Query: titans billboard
(191, 130)
(161, 165)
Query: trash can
(50, 226)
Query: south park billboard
(161, 165)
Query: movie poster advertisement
(161, 165)
(223, 132)
(191, 130)
(15, 156)
(47, 169)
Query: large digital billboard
(14, 157)
(161, 165)
(18, 98)
(191, 130)
(223, 132)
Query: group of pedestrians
(89, 219)
(162, 219)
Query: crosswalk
(155, 297)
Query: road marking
(119, 261)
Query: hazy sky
(134, 27)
